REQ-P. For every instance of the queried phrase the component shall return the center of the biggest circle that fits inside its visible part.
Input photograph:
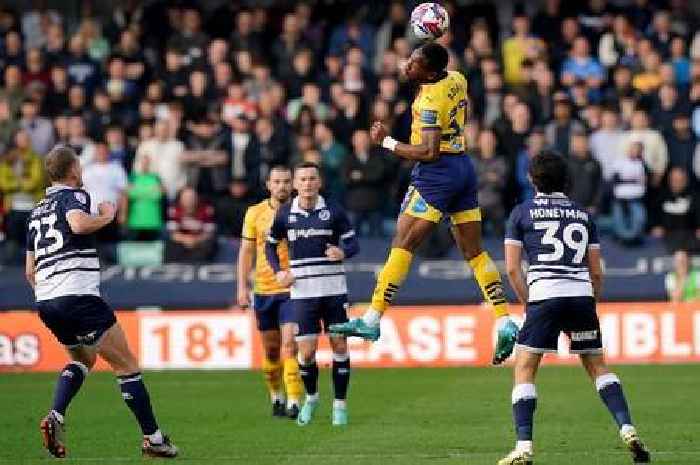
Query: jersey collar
(553, 194)
(55, 188)
(320, 203)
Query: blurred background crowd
(178, 109)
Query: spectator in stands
(274, 149)
(143, 213)
(365, 171)
(243, 153)
(517, 48)
(492, 172)
(681, 143)
(190, 41)
(206, 158)
(648, 79)
(558, 131)
(191, 229)
(618, 46)
(605, 142)
(629, 189)
(12, 88)
(536, 142)
(165, 154)
(8, 125)
(40, 129)
(21, 186)
(82, 69)
(107, 181)
(683, 283)
(677, 214)
(582, 66)
(584, 174)
(333, 155)
(655, 149)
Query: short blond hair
(59, 162)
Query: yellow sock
(292, 380)
(489, 280)
(272, 372)
(391, 277)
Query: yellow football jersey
(256, 226)
(442, 105)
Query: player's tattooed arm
(29, 269)
(515, 271)
(595, 269)
(427, 150)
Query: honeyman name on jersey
(565, 213)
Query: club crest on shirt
(80, 197)
(324, 215)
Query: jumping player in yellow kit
(273, 309)
(443, 183)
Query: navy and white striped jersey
(555, 234)
(65, 263)
(308, 234)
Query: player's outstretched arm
(84, 223)
(515, 271)
(595, 269)
(427, 150)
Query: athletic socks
(273, 378)
(136, 397)
(292, 381)
(610, 390)
(489, 280)
(341, 375)
(524, 399)
(68, 385)
(391, 278)
(309, 375)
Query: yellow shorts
(415, 205)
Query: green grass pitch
(408, 416)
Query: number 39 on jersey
(555, 235)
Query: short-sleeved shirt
(65, 263)
(256, 227)
(308, 233)
(555, 234)
(442, 105)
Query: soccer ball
(429, 21)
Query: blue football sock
(610, 391)
(341, 375)
(309, 374)
(524, 403)
(68, 385)
(136, 397)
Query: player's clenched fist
(334, 253)
(285, 278)
(378, 132)
(107, 209)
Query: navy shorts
(315, 314)
(77, 320)
(447, 186)
(272, 310)
(546, 319)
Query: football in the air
(429, 21)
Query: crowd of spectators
(178, 112)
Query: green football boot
(507, 336)
(307, 413)
(356, 327)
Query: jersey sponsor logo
(324, 215)
(292, 218)
(584, 335)
(80, 197)
(428, 116)
(294, 234)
